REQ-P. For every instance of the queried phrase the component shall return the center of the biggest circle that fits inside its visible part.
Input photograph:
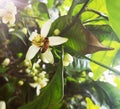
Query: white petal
(2, 105)
(32, 51)
(2, 12)
(12, 20)
(33, 34)
(34, 85)
(47, 57)
(57, 40)
(38, 90)
(11, 7)
(45, 28)
(5, 20)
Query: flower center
(38, 40)
(41, 42)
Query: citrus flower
(2, 105)
(40, 82)
(42, 42)
(8, 12)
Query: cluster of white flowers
(8, 12)
(38, 75)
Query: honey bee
(46, 45)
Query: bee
(46, 45)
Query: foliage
(86, 30)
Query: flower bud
(28, 63)
(56, 32)
(20, 82)
(6, 62)
(35, 78)
(67, 59)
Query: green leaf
(77, 66)
(95, 5)
(20, 35)
(103, 32)
(81, 40)
(51, 95)
(114, 16)
(103, 58)
(91, 105)
(111, 94)
(7, 91)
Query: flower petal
(2, 12)
(57, 40)
(33, 34)
(32, 51)
(47, 57)
(9, 17)
(34, 85)
(45, 28)
(2, 105)
(38, 90)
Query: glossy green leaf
(81, 40)
(111, 94)
(51, 95)
(77, 66)
(114, 16)
(103, 32)
(95, 5)
(104, 58)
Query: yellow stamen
(38, 40)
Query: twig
(75, 19)
(97, 12)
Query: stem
(97, 12)
(75, 19)
(107, 67)
(71, 8)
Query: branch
(75, 19)
(97, 12)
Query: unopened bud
(20, 82)
(67, 59)
(28, 63)
(6, 62)
(35, 78)
(56, 32)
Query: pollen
(38, 40)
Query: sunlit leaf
(91, 105)
(114, 18)
(104, 57)
(95, 5)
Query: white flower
(40, 82)
(8, 12)
(67, 59)
(42, 43)
(2, 105)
